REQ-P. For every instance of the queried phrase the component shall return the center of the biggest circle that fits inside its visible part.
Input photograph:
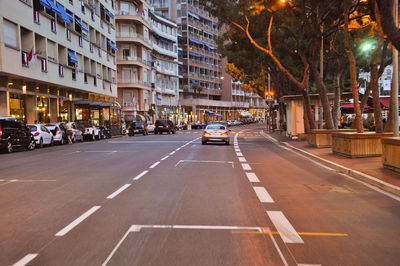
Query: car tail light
(58, 132)
(224, 134)
(167, 126)
(206, 133)
(1, 131)
(36, 134)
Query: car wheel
(73, 140)
(31, 146)
(169, 132)
(52, 142)
(9, 148)
(226, 142)
(144, 133)
(62, 141)
(173, 132)
(203, 142)
(41, 143)
(98, 137)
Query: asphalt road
(168, 200)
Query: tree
(385, 10)
(197, 88)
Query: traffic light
(269, 94)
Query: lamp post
(395, 86)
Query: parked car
(150, 128)
(77, 134)
(215, 132)
(137, 128)
(59, 133)
(14, 134)
(89, 132)
(164, 125)
(42, 135)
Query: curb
(344, 170)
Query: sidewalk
(369, 170)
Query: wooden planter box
(322, 138)
(355, 145)
(391, 153)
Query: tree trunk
(389, 124)
(336, 103)
(323, 96)
(364, 100)
(375, 93)
(307, 109)
(353, 76)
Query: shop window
(16, 105)
(82, 114)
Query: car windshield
(32, 128)
(50, 127)
(138, 124)
(220, 127)
(161, 122)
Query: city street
(169, 200)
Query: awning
(385, 102)
(112, 46)
(72, 57)
(351, 106)
(158, 98)
(66, 17)
(193, 15)
(108, 13)
(45, 4)
(84, 28)
(165, 40)
(245, 114)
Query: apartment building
(165, 67)
(58, 60)
(134, 61)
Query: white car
(215, 132)
(89, 132)
(150, 128)
(41, 134)
(77, 134)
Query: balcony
(133, 60)
(134, 37)
(133, 83)
(165, 51)
(132, 15)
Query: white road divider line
(246, 166)
(171, 153)
(263, 195)
(242, 159)
(113, 195)
(302, 264)
(285, 229)
(252, 177)
(140, 175)
(154, 165)
(239, 154)
(25, 260)
(77, 221)
(165, 157)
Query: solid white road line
(285, 229)
(277, 247)
(25, 260)
(246, 166)
(165, 157)
(263, 195)
(154, 164)
(140, 175)
(138, 227)
(252, 177)
(239, 154)
(171, 153)
(77, 221)
(238, 150)
(242, 159)
(113, 195)
(116, 247)
(302, 264)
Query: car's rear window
(139, 124)
(161, 122)
(216, 127)
(33, 128)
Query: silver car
(215, 132)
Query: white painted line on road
(154, 165)
(285, 229)
(302, 264)
(140, 175)
(252, 177)
(25, 260)
(165, 157)
(238, 150)
(263, 195)
(116, 247)
(239, 154)
(138, 227)
(246, 166)
(77, 221)
(171, 153)
(277, 247)
(242, 159)
(113, 195)
(177, 149)
(201, 161)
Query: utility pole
(395, 86)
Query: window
(10, 33)
(124, 6)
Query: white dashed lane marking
(263, 195)
(252, 177)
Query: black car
(15, 134)
(137, 128)
(164, 125)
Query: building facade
(58, 61)
(165, 67)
